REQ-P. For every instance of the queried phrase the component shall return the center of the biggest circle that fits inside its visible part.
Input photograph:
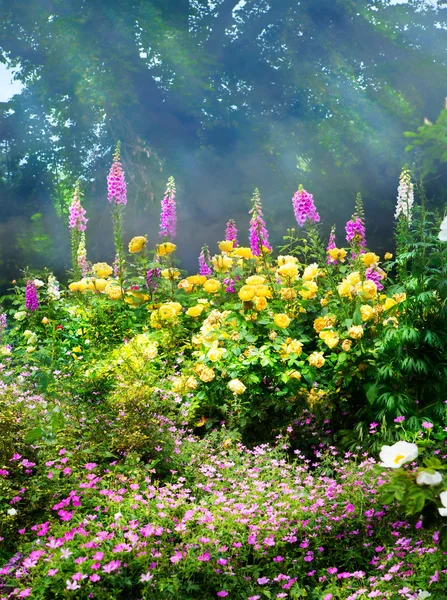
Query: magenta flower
(231, 232)
(427, 425)
(31, 300)
(116, 182)
(259, 236)
(304, 207)
(376, 275)
(168, 218)
(222, 594)
(330, 246)
(263, 580)
(76, 213)
(204, 262)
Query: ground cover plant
(272, 426)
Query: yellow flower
(330, 338)
(324, 301)
(137, 244)
(222, 264)
(196, 279)
(243, 252)
(77, 349)
(255, 280)
(206, 374)
(389, 303)
(170, 273)
(263, 291)
(288, 294)
(237, 387)
(260, 303)
(355, 332)
(191, 383)
(353, 278)
(169, 310)
(400, 297)
(369, 259)
(322, 322)
(74, 286)
(102, 270)
(211, 286)
(215, 354)
(113, 291)
(316, 359)
(337, 254)
(247, 293)
(391, 321)
(135, 298)
(185, 285)
(165, 248)
(310, 291)
(45, 321)
(346, 345)
(100, 284)
(281, 320)
(294, 375)
(388, 256)
(367, 312)
(195, 311)
(291, 346)
(368, 290)
(289, 270)
(310, 272)
(345, 289)
(226, 246)
(282, 260)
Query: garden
(271, 425)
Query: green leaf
(33, 435)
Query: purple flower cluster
(231, 232)
(331, 245)
(304, 207)
(31, 300)
(258, 235)
(116, 182)
(152, 279)
(229, 283)
(76, 216)
(376, 275)
(168, 218)
(355, 233)
(204, 262)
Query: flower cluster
(76, 217)
(116, 182)
(405, 196)
(168, 217)
(304, 207)
(31, 300)
(259, 237)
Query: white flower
(12, 512)
(398, 454)
(443, 498)
(20, 315)
(405, 196)
(117, 516)
(443, 232)
(38, 283)
(423, 594)
(426, 478)
(237, 387)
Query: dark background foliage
(223, 95)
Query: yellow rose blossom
(369, 259)
(255, 280)
(167, 312)
(281, 320)
(263, 291)
(74, 286)
(292, 346)
(288, 294)
(389, 303)
(282, 260)
(247, 293)
(353, 278)
(368, 290)
(310, 272)
(243, 252)
(330, 338)
(337, 254)
(135, 298)
(288, 270)
(400, 297)
(326, 321)
(206, 374)
(113, 291)
(45, 321)
(102, 270)
(137, 244)
(260, 303)
(185, 285)
(195, 311)
(222, 264)
(346, 345)
(324, 301)
(316, 359)
(355, 332)
(191, 383)
(294, 375)
(211, 286)
(226, 246)
(100, 284)
(237, 387)
(215, 354)
(170, 274)
(196, 279)
(310, 290)
(166, 248)
(345, 289)
(367, 312)
(388, 256)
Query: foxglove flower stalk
(376, 275)
(152, 280)
(331, 245)
(81, 259)
(3, 324)
(76, 214)
(355, 229)
(31, 300)
(405, 196)
(168, 217)
(304, 207)
(231, 232)
(116, 182)
(229, 283)
(204, 262)
(258, 235)
(53, 290)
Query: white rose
(443, 498)
(423, 594)
(38, 283)
(236, 386)
(425, 478)
(398, 454)
(12, 512)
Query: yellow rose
(167, 311)
(310, 272)
(243, 253)
(134, 298)
(337, 254)
(330, 338)
(322, 322)
(316, 359)
(45, 321)
(226, 246)
(74, 286)
(288, 270)
(191, 383)
(211, 286)
(388, 256)
(389, 303)
(282, 260)
(255, 280)
(222, 264)
(113, 291)
(260, 303)
(367, 312)
(324, 301)
(345, 289)
(368, 290)
(165, 248)
(346, 345)
(353, 278)
(100, 284)
(237, 387)
(355, 332)
(400, 297)
(206, 374)
(291, 346)
(170, 273)
(281, 320)
(369, 259)
(102, 270)
(288, 294)
(263, 291)
(195, 311)
(247, 293)
(196, 279)
(185, 285)
(294, 375)
(137, 244)
(310, 290)
(215, 354)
